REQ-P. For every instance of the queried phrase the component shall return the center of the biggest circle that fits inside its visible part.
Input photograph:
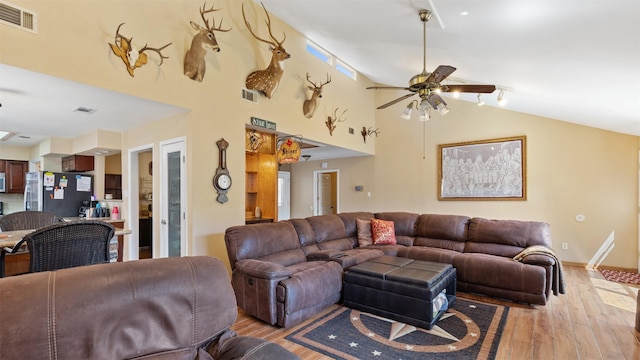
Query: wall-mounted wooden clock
(222, 179)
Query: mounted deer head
(368, 132)
(194, 64)
(131, 56)
(267, 80)
(332, 122)
(309, 106)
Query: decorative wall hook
(130, 55)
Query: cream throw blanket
(557, 278)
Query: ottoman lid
(417, 276)
(374, 269)
(392, 260)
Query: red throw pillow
(383, 232)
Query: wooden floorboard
(594, 320)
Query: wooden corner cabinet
(261, 182)
(77, 163)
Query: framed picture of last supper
(493, 169)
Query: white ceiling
(575, 61)
(571, 60)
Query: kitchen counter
(105, 219)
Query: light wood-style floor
(594, 320)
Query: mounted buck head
(332, 122)
(266, 81)
(194, 64)
(131, 56)
(309, 106)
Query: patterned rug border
(620, 276)
(470, 346)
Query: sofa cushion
(349, 221)
(275, 242)
(364, 232)
(506, 237)
(383, 232)
(305, 235)
(331, 234)
(405, 225)
(306, 288)
(442, 231)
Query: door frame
(287, 193)
(316, 208)
(132, 246)
(181, 142)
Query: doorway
(284, 195)
(173, 200)
(140, 188)
(326, 192)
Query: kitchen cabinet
(113, 185)
(3, 166)
(15, 175)
(77, 163)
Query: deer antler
(158, 51)
(206, 21)
(275, 42)
(338, 118)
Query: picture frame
(494, 169)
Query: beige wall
(571, 169)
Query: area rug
(621, 276)
(469, 330)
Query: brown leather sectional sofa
(285, 272)
(171, 308)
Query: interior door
(173, 202)
(325, 205)
(284, 193)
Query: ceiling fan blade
(387, 87)
(395, 101)
(441, 73)
(469, 88)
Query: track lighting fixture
(480, 101)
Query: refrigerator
(60, 193)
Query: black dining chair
(27, 220)
(68, 244)
(24, 220)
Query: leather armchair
(171, 308)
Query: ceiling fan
(427, 85)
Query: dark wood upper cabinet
(113, 185)
(77, 163)
(15, 175)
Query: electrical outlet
(565, 246)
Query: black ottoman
(400, 289)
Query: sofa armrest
(325, 255)
(232, 347)
(263, 269)
(538, 259)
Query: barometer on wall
(222, 179)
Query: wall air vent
(250, 95)
(18, 17)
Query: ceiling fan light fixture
(442, 109)
(406, 113)
(501, 100)
(480, 101)
(456, 94)
(425, 115)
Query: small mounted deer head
(309, 106)
(332, 122)
(194, 64)
(131, 56)
(266, 81)
(368, 132)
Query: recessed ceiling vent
(250, 95)
(18, 17)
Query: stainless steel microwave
(3, 182)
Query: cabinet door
(3, 167)
(16, 172)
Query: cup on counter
(108, 196)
